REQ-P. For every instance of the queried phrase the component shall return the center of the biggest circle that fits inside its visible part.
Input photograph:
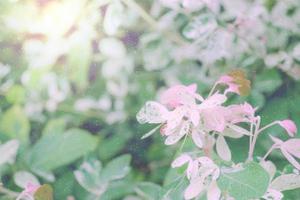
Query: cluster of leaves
(74, 73)
(208, 167)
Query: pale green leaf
(53, 151)
(249, 182)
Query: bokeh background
(74, 73)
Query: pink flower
(289, 126)
(290, 149)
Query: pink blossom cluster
(181, 112)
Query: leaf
(88, 176)
(118, 190)
(55, 126)
(79, 60)
(223, 149)
(14, 124)
(286, 182)
(22, 178)
(152, 112)
(250, 182)
(175, 189)
(113, 18)
(149, 191)
(268, 81)
(116, 169)
(16, 94)
(45, 192)
(239, 129)
(8, 151)
(53, 151)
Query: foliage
(74, 74)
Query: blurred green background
(74, 73)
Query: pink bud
(289, 126)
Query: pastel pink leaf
(197, 139)
(178, 95)
(185, 128)
(195, 117)
(213, 119)
(192, 169)
(293, 147)
(276, 140)
(174, 118)
(31, 188)
(290, 158)
(152, 112)
(213, 191)
(192, 88)
(181, 160)
(286, 182)
(225, 79)
(223, 149)
(239, 129)
(173, 139)
(289, 126)
(248, 109)
(273, 195)
(194, 189)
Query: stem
(250, 139)
(255, 135)
(182, 144)
(267, 126)
(268, 153)
(212, 89)
(149, 19)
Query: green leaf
(16, 94)
(268, 81)
(149, 191)
(14, 124)
(79, 59)
(116, 169)
(55, 126)
(88, 176)
(250, 182)
(45, 192)
(118, 190)
(53, 151)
